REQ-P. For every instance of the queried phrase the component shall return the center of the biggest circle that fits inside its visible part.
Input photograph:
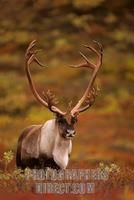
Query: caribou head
(50, 144)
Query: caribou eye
(61, 121)
(73, 120)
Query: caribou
(50, 144)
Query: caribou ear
(59, 117)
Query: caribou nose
(71, 132)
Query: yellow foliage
(87, 3)
(38, 115)
(111, 105)
(5, 120)
(17, 36)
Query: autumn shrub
(17, 179)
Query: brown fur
(28, 144)
(28, 150)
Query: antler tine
(99, 45)
(50, 97)
(91, 48)
(39, 63)
(30, 47)
(88, 63)
(31, 54)
(36, 59)
(48, 100)
(89, 89)
(90, 100)
(99, 54)
(83, 56)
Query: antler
(88, 97)
(48, 100)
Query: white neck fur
(53, 145)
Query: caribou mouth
(70, 136)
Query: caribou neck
(53, 144)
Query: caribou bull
(50, 144)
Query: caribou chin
(50, 144)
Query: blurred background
(104, 132)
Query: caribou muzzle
(70, 134)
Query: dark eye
(61, 120)
(73, 120)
